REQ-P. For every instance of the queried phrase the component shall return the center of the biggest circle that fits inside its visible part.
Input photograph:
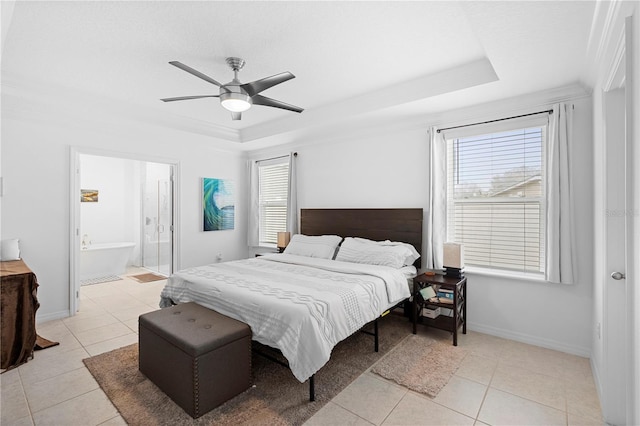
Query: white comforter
(302, 306)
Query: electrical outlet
(219, 257)
(598, 327)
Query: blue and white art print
(218, 204)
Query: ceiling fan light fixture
(235, 96)
(235, 102)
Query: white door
(614, 331)
(618, 382)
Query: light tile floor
(500, 382)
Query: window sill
(538, 278)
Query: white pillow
(409, 271)
(321, 246)
(10, 249)
(352, 250)
(412, 257)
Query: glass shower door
(157, 213)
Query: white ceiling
(351, 59)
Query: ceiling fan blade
(258, 86)
(185, 98)
(194, 72)
(263, 100)
(236, 115)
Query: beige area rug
(100, 280)
(277, 398)
(147, 278)
(421, 364)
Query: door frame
(74, 210)
(619, 400)
(633, 217)
(614, 313)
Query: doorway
(128, 205)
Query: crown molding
(601, 26)
(615, 76)
(607, 30)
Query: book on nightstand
(445, 296)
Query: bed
(302, 302)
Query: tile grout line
(24, 394)
(486, 392)
(565, 411)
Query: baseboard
(597, 379)
(52, 316)
(531, 340)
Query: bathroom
(125, 217)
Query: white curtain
(436, 216)
(253, 233)
(560, 254)
(292, 204)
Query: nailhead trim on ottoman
(198, 357)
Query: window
(273, 190)
(496, 198)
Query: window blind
(496, 198)
(273, 184)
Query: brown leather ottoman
(198, 357)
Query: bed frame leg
(312, 388)
(375, 330)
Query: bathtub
(104, 259)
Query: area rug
(147, 278)
(276, 398)
(100, 280)
(421, 364)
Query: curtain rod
(295, 154)
(550, 111)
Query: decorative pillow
(321, 246)
(412, 257)
(352, 250)
(10, 249)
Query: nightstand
(458, 308)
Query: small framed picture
(88, 195)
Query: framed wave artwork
(218, 204)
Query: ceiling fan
(238, 97)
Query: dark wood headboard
(375, 224)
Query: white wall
(36, 143)
(111, 219)
(384, 170)
(389, 168)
